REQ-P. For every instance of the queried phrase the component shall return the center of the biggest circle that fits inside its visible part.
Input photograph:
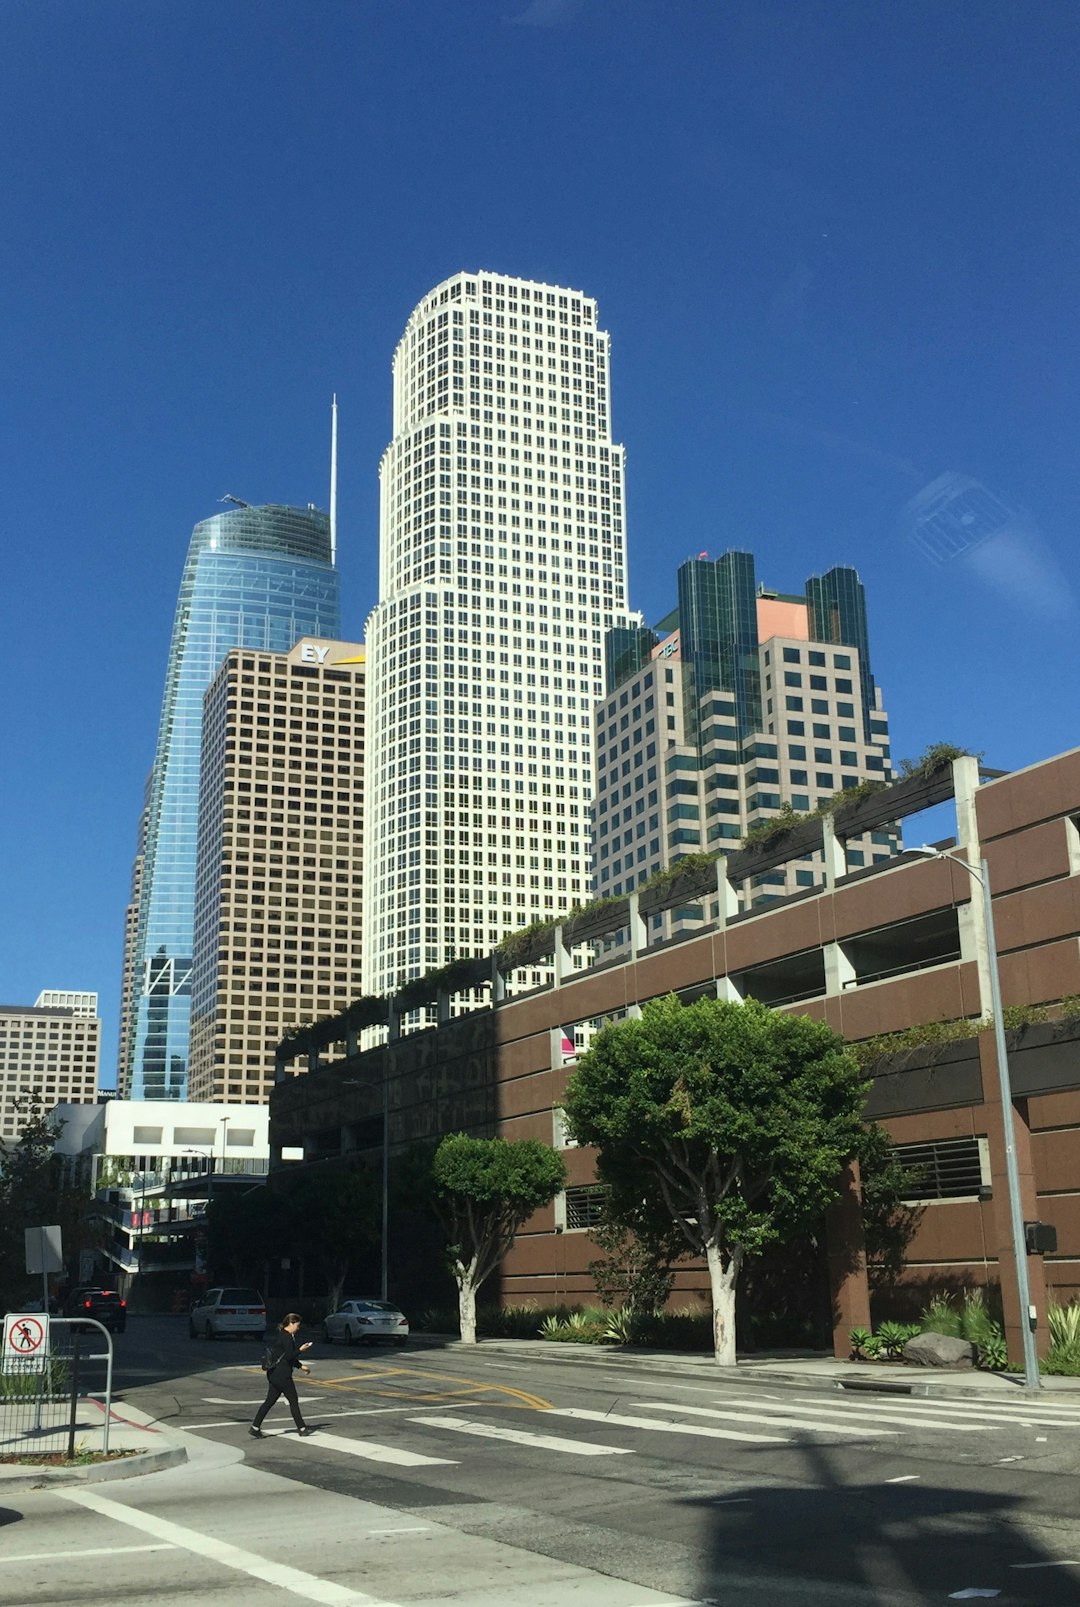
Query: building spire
(333, 479)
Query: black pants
(287, 1387)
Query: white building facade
(502, 565)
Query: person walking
(285, 1360)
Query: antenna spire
(333, 480)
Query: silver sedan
(366, 1322)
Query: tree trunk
(467, 1311)
(722, 1284)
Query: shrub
(941, 1317)
(859, 1338)
(893, 1336)
(1064, 1324)
(1063, 1361)
(993, 1353)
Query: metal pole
(1012, 1170)
(385, 1279)
(73, 1418)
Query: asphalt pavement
(503, 1474)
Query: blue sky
(835, 244)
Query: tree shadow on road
(826, 1538)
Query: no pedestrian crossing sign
(26, 1342)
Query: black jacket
(285, 1354)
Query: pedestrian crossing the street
(742, 1418)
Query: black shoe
(305, 1431)
(256, 1433)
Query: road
(497, 1480)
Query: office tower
(258, 578)
(126, 1044)
(502, 564)
(278, 903)
(50, 1048)
(740, 702)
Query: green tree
(243, 1232)
(33, 1194)
(330, 1218)
(483, 1191)
(738, 1118)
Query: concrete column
(728, 898)
(442, 1006)
(498, 982)
(726, 989)
(835, 852)
(965, 785)
(639, 928)
(845, 1248)
(839, 971)
(393, 1021)
(352, 1041)
(995, 1133)
(563, 960)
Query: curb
(13, 1477)
(747, 1372)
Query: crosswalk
(743, 1419)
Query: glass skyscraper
(254, 577)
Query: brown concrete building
(278, 917)
(51, 1048)
(873, 951)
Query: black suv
(104, 1305)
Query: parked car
(228, 1310)
(366, 1322)
(104, 1305)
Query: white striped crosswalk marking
(1006, 1411)
(887, 1413)
(371, 1452)
(935, 1413)
(517, 1436)
(616, 1420)
(782, 1419)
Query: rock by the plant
(939, 1350)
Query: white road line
(229, 1400)
(1066, 1562)
(697, 1429)
(986, 1411)
(541, 1442)
(89, 1551)
(784, 1421)
(904, 1478)
(309, 1586)
(371, 1452)
(887, 1414)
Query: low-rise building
(151, 1165)
(875, 950)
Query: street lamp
(1012, 1170)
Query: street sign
(44, 1252)
(26, 1342)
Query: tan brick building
(52, 1048)
(280, 854)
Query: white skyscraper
(502, 565)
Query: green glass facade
(836, 606)
(718, 631)
(254, 577)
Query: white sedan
(365, 1322)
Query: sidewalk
(130, 1430)
(778, 1367)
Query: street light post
(1012, 1171)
